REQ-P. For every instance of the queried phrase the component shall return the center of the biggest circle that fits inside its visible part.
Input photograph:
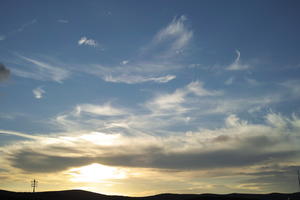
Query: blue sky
(203, 95)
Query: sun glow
(101, 138)
(96, 173)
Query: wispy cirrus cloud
(133, 73)
(18, 30)
(197, 88)
(88, 42)
(90, 116)
(19, 134)
(105, 110)
(40, 70)
(63, 21)
(185, 107)
(138, 79)
(38, 92)
(176, 36)
(175, 101)
(159, 59)
(162, 111)
(237, 65)
(26, 25)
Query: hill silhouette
(84, 195)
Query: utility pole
(299, 178)
(34, 184)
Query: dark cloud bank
(32, 161)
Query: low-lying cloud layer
(260, 153)
(237, 144)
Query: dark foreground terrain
(84, 195)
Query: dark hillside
(84, 195)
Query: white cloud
(174, 101)
(185, 107)
(237, 65)
(64, 21)
(66, 122)
(20, 134)
(157, 61)
(196, 101)
(106, 109)
(86, 41)
(89, 117)
(133, 73)
(38, 92)
(41, 70)
(125, 62)
(138, 79)
(236, 151)
(276, 120)
(233, 121)
(162, 79)
(236, 138)
(168, 101)
(171, 41)
(197, 88)
(234, 105)
(177, 31)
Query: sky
(145, 97)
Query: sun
(96, 173)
